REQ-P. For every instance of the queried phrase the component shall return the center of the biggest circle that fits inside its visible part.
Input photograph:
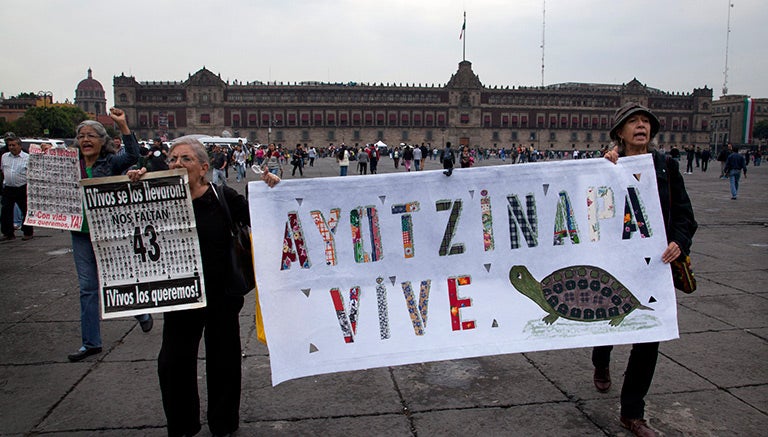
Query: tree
(27, 126)
(760, 131)
(59, 120)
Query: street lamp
(45, 95)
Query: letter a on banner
(294, 235)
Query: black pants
(689, 166)
(177, 367)
(300, 167)
(13, 196)
(374, 164)
(704, 165)
(637, 377)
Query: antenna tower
(727, 41)
(543, 33)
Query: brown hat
(622, 114)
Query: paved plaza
(713, 381)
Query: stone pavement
(713, 381)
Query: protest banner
(145, 240)
(368, 271)
(54, 199)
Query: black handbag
(242, 279)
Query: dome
(90, 84)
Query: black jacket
(675, 203)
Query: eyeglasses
(184, 159)
(81, 137)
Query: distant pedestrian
(722, 157)
(373, 158)
(14, 175)
(448, 158)
(734, 165)
(417, 155)
(312, 155)
(689, 156)
(362, 161)
(705, 157)
(407, 157)
(218, 166)
(342, 157)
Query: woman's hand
(671, 253)
(119, 116)
(612, 155)
(270, 178)
(135, 175)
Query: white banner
(145, 242)
(54, 199)
(367, 271)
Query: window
(318, 119)
(486, 120)
(265, 120)
(504, 121)
(393, 119)
(428, 135)
(552, 136)
(532, 136)
(574, 136)
(514, 120)
(305, 135)
(330, 119)
(123, 98)
(235, 120)
(589, 136)
(553, 122)
(404, 119)
(404, 135)
(343, 119)
(441, 119)
(368, 119)
(417, 119)
(380, 119)
(205, 118)
(356, 135)
(495, 135)
(143, 120)
(331, 135)
(305, 119)
(430, 120)
(574, 122)
(464, 118)
(171, 121)
(253, 119)
(513, 137)
(291, 119)
(356, 119)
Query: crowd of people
(633, 132)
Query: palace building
(564, 116)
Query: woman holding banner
(634, 128)
(98, 159)
(218, 322)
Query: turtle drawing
(580, 293)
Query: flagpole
(464, 34)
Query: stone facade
(729, 119)
(556, 117)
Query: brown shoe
(602, 379)
(638, 427)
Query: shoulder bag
(242, 279)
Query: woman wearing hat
(634, 128)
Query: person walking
(362, 161)
(634, 128)
(297, 160)
(373, 155)
(705, 157)
(722, 157)
(734, 165)
(417, 155)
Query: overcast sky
(673, 45)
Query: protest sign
(368, 271)
(54, 199)
(145, 240)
